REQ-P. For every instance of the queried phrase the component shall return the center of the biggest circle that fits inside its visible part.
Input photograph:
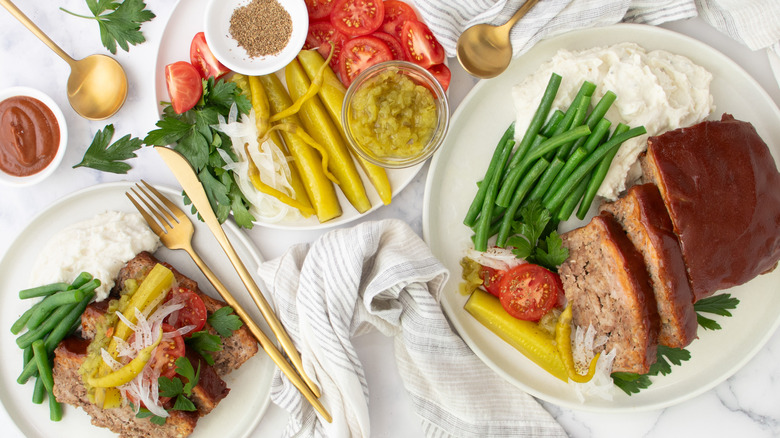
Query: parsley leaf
(716, 304)
(205, 343)
(554, 254)
(631, 383)
(194, 136)
(175, 387)
(536, 239)
(146, 413)
(119, 21)
(101, 156)
(225, 321)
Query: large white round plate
(187, 19)
(235, 417)
(475, 129)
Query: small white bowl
(35, 178)
(234, 57)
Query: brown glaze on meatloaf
(721, 186)
(642, 214)
(607, 285)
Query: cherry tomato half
(357, 17)
(164, 358)
(442, 74)
(360, 53)
(396, 14)
(204, 60)
(393, 43)
(319, 9)
(420, 45)
(193, 313)
(491, 279)
(184, 85)
(528, 291)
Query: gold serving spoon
(97, 85)
(484, 50)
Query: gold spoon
(484, 50)
(97, 85)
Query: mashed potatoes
(657, 89)
(100, 246)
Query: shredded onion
(601, 385)
(495, 257)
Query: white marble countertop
(747, 404)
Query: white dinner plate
(236, 415)
(187, 19)
(475, 129)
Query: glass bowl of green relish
(395, 114)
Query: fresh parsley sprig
(194, 136)
(632, 383)
(101, 156)
(536, 239)
(224, 322)
(119, 21)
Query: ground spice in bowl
(262, 28)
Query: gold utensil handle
(265, 342)
(32, 27)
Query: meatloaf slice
(643, 216)
(721, 186)
(606, 282)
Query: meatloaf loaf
(606, 282)
(642, 215)
(721, 187)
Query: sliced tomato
(321, 35)
(184, 85)
(319, 9)
(420, 45)
(360, 53)
(528, 291)
(393, 43)
(396, 14)
(204, 60)
(357, 17)
(491, 279)
(193, 313)
(442, 74)
(164, 358)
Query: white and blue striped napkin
(755, 23)
(382, 276)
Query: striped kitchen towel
(381, 276)
(755, 23)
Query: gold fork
(175, 230)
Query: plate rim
(237, 236)
(437, 167)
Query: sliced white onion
(495, 257)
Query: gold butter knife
(192, 186)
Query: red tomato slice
(393, 43)
(204, 60)
(319, 9)
(321, 34)
(357, 17)
(184, 85)
(396, 14)
(529, 291)
(491, 279)
(164, 358)
(420, 45)
(193, 312)
(442, 74)
(360, 53)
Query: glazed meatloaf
(644, 218)
(721, 187)
(606, 282)
(211, 389)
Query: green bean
(552, 123)
(572, 200)
(55, 408)
(594, 139)
(46, 327)
(539, 117)
(547, 178)
(39, 391)
(574, 160)
(599, 173)
(45, 374)
(81, 280)
(20, 323)
(589, 163)
(486, 215)
(43, 291)
(476, 203)
(579, 117)
(525, 185)
(45, 307)
(557, 141)
(598, 113)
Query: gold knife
(189, 181)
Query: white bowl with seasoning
(256, 37)
(395, 114)
(33, 136)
